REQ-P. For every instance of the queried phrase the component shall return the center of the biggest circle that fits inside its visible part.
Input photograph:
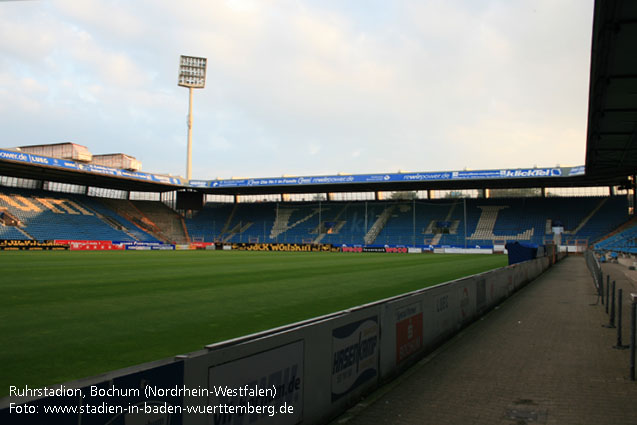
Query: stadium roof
(28, 166)
(611, 148)
(407, 181)
(611, 145)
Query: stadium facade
(75, 200)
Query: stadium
(304, 292)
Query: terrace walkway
(541, 357)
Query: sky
(299, 87)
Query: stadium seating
(204, 226)
(10, 232)
(625, 240)
(407, 222)
(119, 221)
(167, 220)
(50, 215)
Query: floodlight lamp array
(192, 72)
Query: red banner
(408, 332)
(200, 245)
(89, 245)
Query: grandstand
(432, 223)
(624, 240)
(44, 215)
(61, 199)
(448, 209)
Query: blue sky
(302, 87)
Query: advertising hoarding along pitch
(253, 389)
(409, 331)
(354, 355)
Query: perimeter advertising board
(466, 309)
(150, 396)
(282, 247)
(408, 331)
(400, 249)
(20, 245)
(443, 311)
(84, 245)
(354, 355)
(481, 295)
(146, 246)
(264, 388)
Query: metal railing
(596, 270)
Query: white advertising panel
(264, 388)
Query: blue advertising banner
(150, 396)
(145, 246)
(577, 171)
(91, 168)
(153, 396)
(554, 172)
(59, 406)
(393, 177)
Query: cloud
(113, 20)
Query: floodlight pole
(464, 202)
(189, 154)
(192, 74)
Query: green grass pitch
(68, 315)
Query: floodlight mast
(192, 74)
